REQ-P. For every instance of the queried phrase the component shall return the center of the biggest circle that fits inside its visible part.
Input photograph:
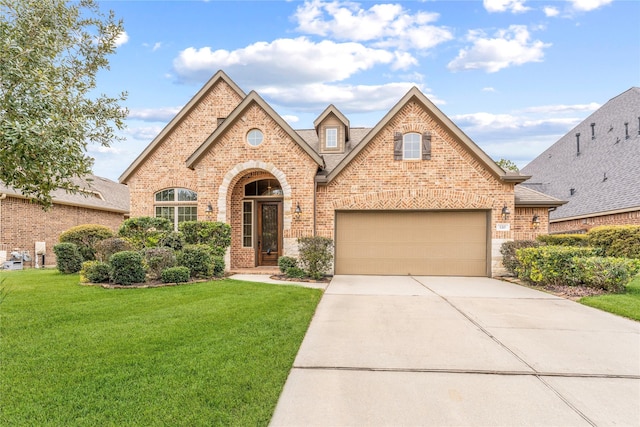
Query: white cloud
(122, 38)
(506, 48)
(554, 109)
(488, 89)
(513, 6)
(588, 5)
(291, 119)
(384, 25)
(551, 11)
(286, 61)
(164, 114)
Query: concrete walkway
(442, 351)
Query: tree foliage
(51, 52)
(508, 165)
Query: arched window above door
(263, 187)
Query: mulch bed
(284, 278)
(573, 293)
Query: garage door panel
(419, 243)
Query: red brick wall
(585, 224)
(523, 226)
(23, 223)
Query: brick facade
(23, 223)
(583, 225)
(221, 163)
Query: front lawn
(626, 304)
(214, 353)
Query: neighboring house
(24, 225)
(412, 195)
(595, 167)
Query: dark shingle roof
(604, 176)
(97, 193)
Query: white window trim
(404, 151)
(326, 137)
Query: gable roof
(528, 198)
(253, 97)
(220, 75)
(415, 94)
(331, 109)
(96, 193)
(604, 175)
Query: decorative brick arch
(415, 199)
(236, 172)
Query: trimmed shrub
(86, 237)
(216, 235)
(126, 268)
(175, 275)
(107, 247)
(68, 258)
(173, 240)
(550, 265)
(198, 259)
(563, 239)
(158, 259)
(295, 273)
(616, 241)
(315, 255)
(508, 251)
(145, 231)
(286, 262)
(218, 266)
(608, 273)
(94, 272)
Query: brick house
(412, 195)
(25, 226)
(595, 168)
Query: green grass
(215, 353)
(626, 304)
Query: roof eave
(220, 75)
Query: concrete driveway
(445, 351)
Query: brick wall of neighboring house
(585, 224)
(231, 162)
(452, 179)
(23, 223)
(165, 167)
(523, 224)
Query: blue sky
(515, 75)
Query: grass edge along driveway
(214, 353)
(626, 304)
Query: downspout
(315, 205)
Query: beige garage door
(443, 243)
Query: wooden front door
(269, 232)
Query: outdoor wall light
(505, 212)
(298, 211)
(209, 210)
(535, 222)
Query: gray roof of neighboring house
(98, 193)
(605, 176)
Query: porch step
(256, 270)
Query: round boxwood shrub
(94, 272)
(286, 262)
(158, 259)
(86, 237)
(198, 259)
(126, 268)
(68, 258)
(173, 240)
(179, 274)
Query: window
(331, 138)
(263, 187)
(411, 146)
(176, 205)
(247, 224)
(255, 137)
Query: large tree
(50, 54)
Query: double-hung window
(177, 205)
(331, 137)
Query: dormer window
(331, 135)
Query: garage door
(442, 243)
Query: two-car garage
(424, 243)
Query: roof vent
(626, 130)
(572, 191)
(638, 125)
(605, 177)
(593, 131)
(578, 143)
